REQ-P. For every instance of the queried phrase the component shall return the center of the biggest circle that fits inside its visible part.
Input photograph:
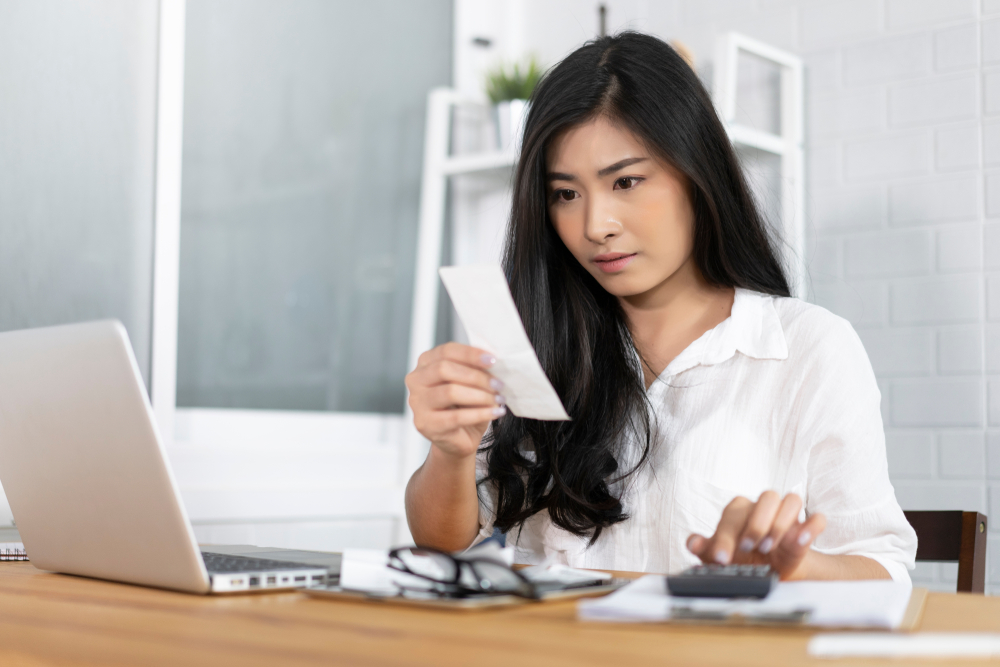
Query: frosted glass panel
(758, 93)
(77, 133)
(303, 145)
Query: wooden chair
(949, 536)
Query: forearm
(828, 567)
(442, 506)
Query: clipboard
(472, 603)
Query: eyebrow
(617, 166)
(621, 164)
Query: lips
(613, 262)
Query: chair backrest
(949, 536)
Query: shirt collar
(753, 329)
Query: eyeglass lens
(429, 564)
(498, 578)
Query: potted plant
(509, 88)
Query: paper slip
(482, 299)
(861, 604)
(917, 645)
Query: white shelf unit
(786, 143)
(439, 166)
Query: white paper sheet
(557, 573)
(642, 600)
(368, 570)
(917, 645)
(483, 302)
(862, 604)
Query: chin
(622, 286)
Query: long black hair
(577, 328)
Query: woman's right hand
(454, 398)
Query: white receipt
(483, 301)
(916, 645)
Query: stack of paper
(868, 604)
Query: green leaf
(512, 82)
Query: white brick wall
(956, 148)
(903, 220)
(903, 210)
(937, 64)
(955, 48)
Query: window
(77, 150)
(238, 181)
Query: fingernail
(499, 412)
(804, 538)
(746, 544)
(495, 384)
(501, 400)
(765, 545)
(690, 543)
(487, 359)
(721, 557)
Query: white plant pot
(509, 117)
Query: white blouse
(780, 396)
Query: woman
(714, 418)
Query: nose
(601, 225)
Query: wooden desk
(50, 619)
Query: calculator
(723, 581)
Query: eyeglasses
(459, 577)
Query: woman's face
(624, 215)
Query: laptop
(87, 478)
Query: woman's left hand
(764, 532)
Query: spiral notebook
(12, 551)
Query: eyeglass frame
(460, 589)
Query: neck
(669, 317)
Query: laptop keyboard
(223, 563)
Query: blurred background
(261, 191)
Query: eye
(564, 195)
(627, 182)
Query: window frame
(198, 437)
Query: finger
(439, 423)
(796, 544)
(722, 545)
(463, 354)
(447, 371)
(786, 517)
(760, 521)
(696, 544)
(461, 396)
